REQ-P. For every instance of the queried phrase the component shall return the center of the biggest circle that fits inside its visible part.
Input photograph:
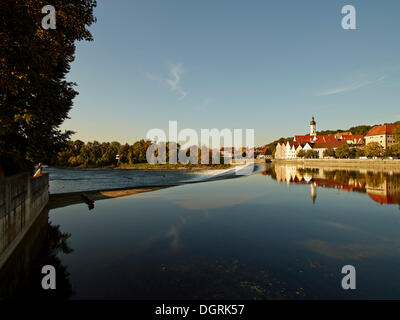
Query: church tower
(313, 127)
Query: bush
(343, 151)
(360, 152)
(330, 152)
(310, 154)
(301, 154)
(374, 149)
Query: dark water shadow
(21, 276)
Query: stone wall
(370, 164)
(22, 198)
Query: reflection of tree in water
(311, 171)
(56, 242)
(23, 271)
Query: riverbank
(147, 166)
(369, 164)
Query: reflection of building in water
(379, 187)
(382, 187)
(385, 191)
(313, 191)
(289, 174)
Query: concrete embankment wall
(370, 164)
(22, 198)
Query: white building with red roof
(383, 134)
(319, 143)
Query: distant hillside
(362, 130)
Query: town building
(318, 143)
(383, 134)
(320, 147)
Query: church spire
(313, 127)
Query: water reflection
(21, 276)
(246, 238)
(382, 187)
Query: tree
(109, 157)
(360, 130)
(330, 152)
(353, 153)
(396, 150)
(374, 149)
(138, 152)
(343, 151)
(309, 154)
(123, 153)
(301, 153)
(360, 152)
(388, 152)
(35, 97)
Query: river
(284, 232)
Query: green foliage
(374, 149)
(330, 152)
(353, 153)
(138, 151)
(360, 152)
(388, 152)
(35, 97)
(393, 151)
(360, 130)
(310, 154)
(396, 150)
(329, 132)
(301, 153)
(95, 154)
(343, 151)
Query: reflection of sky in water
(242, 238)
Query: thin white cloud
(174, 80)
(351, 87)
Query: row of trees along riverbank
(96, 154)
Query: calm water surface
(283, 232)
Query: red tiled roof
(380, 130)
(328, 144)
(326, 139)
(305, 139)
(293, 143)
(351, 137)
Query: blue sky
(265, 65)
